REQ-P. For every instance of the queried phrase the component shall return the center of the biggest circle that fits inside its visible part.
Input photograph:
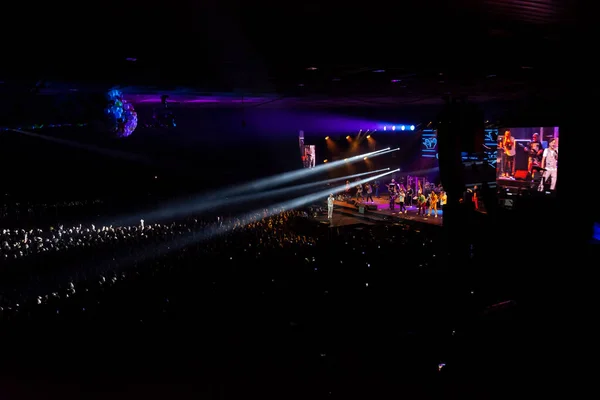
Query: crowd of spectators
(307, 295)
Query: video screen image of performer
(309, 156)
(549, 165)
(330, 206)
(528, 159)
(534, 150)
(507, 147)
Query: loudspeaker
(521, 174)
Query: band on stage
(424, 197)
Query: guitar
(511, 151)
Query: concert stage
(379, 211)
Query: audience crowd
(276, 282)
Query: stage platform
(515, 184)
(379, 211)
(344, 219)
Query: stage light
(393, 128)
(385, 128)
(345, 159)
(348, 137)
(325, 160)
(326, 137)
(412, 127)
(403, 127)
(365, 158)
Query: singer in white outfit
(330, 206)
(550, 163)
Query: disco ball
(121, 116)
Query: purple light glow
(205, 100)
(209, 100)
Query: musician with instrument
(369, 190)
(393, 189)
(534, 151)
(359, 192)
(508, 147)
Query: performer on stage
(401, 199)
(443, 199)
(347, 194)
(330, 206)
(393, 192)
(421, 204)
(534, 151)
(550, 164)
(507, 146)
(409, 196)
(359, 192)
(433, 203)
(369, 190)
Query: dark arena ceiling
(305, 54)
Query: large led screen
(527, 159)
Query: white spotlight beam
(280, 179)
(179, 211)
(301, 201)
(381, 153)
(207, 202)
(298, 202)
(98, 150)
(274, 209)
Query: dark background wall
(209, 147)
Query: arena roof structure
(301, 54)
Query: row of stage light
(367, 134)
(400, 128)
(251, 191)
